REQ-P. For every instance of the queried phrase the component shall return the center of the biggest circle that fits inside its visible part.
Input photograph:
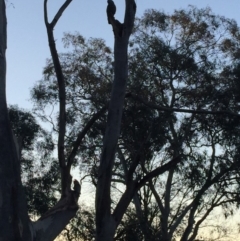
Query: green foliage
(24, 126)
(179, 64)
(40, 174)
(82, 226)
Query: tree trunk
(15, 224)
(106, 224)
(13, 212)
(141, 219)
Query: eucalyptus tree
(15, 222)
(39, 171)
(70, 138)
(181, 101)
(12, 200)
(192, 71)
(180, 86)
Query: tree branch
(82, 134)
(158, 171)
(45, 12)
(59, 13)
(168, 109)
(103, 199)
(124, 201)
(195, 202)
(65, 171)
(130, 12)
(48, 228)
(200, 221)
(157, 197)
(3, 47)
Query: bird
(76, 188)
(111, 10)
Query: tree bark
(13, 212)
(105, 222)
(15, 224)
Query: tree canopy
(181, 100)
(152, 126)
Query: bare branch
(65, 170)
(103, 198)
(59, 13)
(61, 90)
(130, 12)
(45, 13)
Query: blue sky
(27, 41)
